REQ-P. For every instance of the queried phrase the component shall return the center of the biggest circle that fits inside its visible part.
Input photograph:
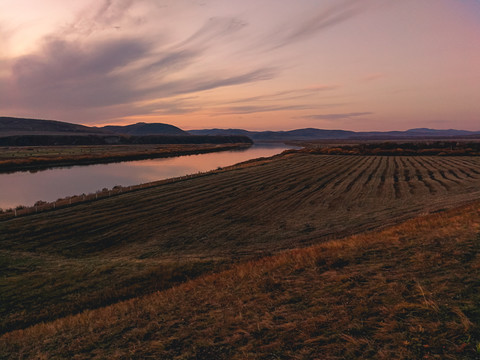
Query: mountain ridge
(323, 134)
(142, 128)
(24, 126)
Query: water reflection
(25, 188)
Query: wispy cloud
(259, 109)
(73, 70)
(209, 82)
(287, 94)
(317, 22)
(102, 15)
(338, 116)
(215, 28)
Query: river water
(25, 188)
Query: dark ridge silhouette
(21, 126)
(10, 126)
(142, 128)
(88, 139)
(319, 134)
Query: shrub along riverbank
(34, 158)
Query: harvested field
(407, 292)
(96, 253)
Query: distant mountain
(20, 126)
(141, 129)
(10, 126)
(449, 132)
(34, 132)
(320, 134)
(299, 134)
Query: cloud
(288, 94)
(338, 116)
(76, 75)
(258, 109)
(73, 70)
(66, 73)
(102, 15)
(322, 20)
(215, 28)
(209, 82)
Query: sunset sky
(252, 64)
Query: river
(25, 188)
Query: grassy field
(18, 158)
(63, 262)
(408, 292)
(93, 254)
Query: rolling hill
(10, 126)
(142, 128)
(34, 132)
(20, 126)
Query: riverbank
(14, 159)
(73, 200)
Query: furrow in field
(338, 194)
(324, 176)
(389, 191)
(407, 176)
(374, 179)
(432, 171)
(456, 170)
(363, 169)
(343, 163)
(466, 170)
(349, 172)
(452, 168)
(442, 169)
(420, 177)
(383, 176)
(471, 163)
(286, 195)
(360, 193)
(373, 173)
(396, 179)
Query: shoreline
(40, 163)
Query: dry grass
(65, 261)
(408, 292)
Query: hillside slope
(19, 126)
(142, 128)
(93, 254)
(408, 292)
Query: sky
(254, 64)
